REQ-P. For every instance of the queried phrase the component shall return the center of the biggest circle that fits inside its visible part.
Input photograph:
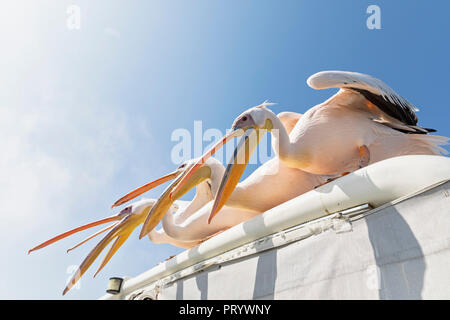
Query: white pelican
(365, 122)
(270, 185)
(186, 229)
(133, 215)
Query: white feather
(345, 79)
(266, 103)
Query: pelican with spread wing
(365, 122)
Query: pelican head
(253, 118)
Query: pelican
(124, 223)
(187, 228)
(268, 186)
(365, 122)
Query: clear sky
(87, 114)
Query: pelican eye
(244, 118)
(125, 210)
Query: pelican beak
(165, 200)
(76, 230)
(235, 169)
(123, 226)
(235, 132)
(119, 233)
(137, 192)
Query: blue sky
(86, 115)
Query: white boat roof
(375, 185)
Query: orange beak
(137, 192)
(76, 230)
(233, 134)
(164, 202)
(119, 233)
(235, 169)
(120, 230)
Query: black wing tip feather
(402, 113)
(416, 130)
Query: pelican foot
(364, 156)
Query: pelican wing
(375, 91)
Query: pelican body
(365, 122)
